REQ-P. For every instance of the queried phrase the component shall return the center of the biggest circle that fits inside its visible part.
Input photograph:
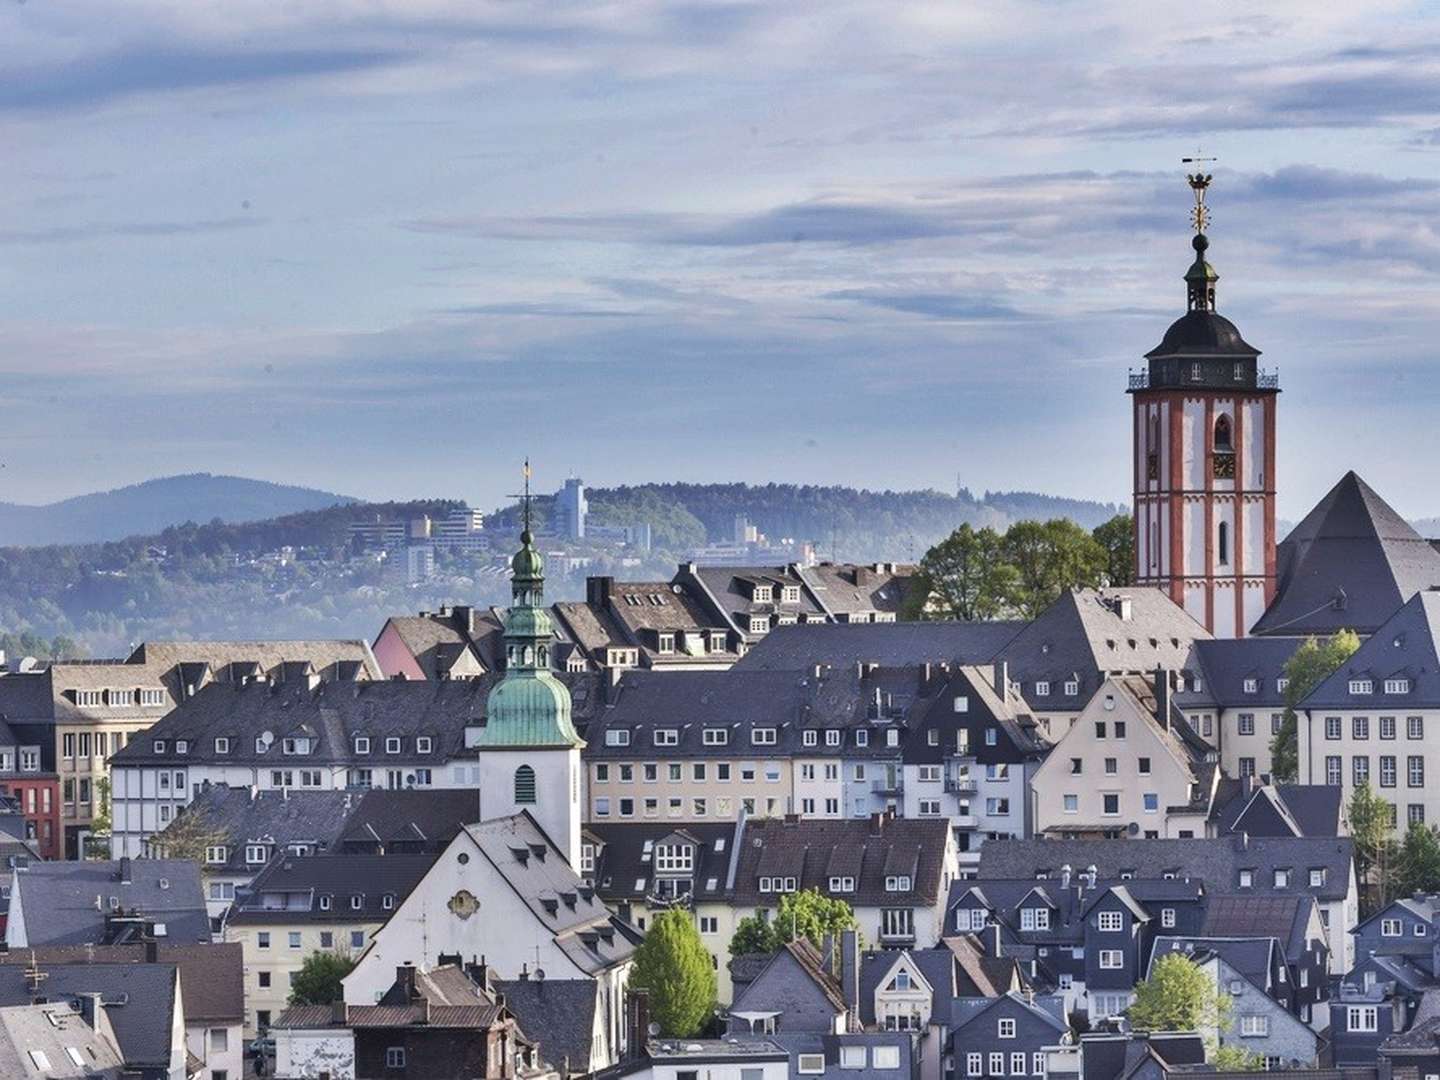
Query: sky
(391, 247)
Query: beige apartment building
(1130, 766)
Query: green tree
(965, 576)
(1178, 996)
(1417, 863)
(1050, 557)
(98, 844)
(1307, 668)
(673, 966)
(1232, 1058)
(1117, 537)
(318, 980)
(1372, 829)
(187, 836)
(808, 914)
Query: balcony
(1268, 380)
(887, 785)
(961, 785)
(1139, 380)
(964, 821)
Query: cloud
(931, 305)
(61, 234)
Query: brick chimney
(850, 970)
(1161, 680)
(405, 979)
(123, 875)
(1000, 678)
(598, 590)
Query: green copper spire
(529, 706)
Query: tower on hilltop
(1204, 447)
(529, 752)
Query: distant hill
(151, 507)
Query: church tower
(529, 752)
(1204, 448)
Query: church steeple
(529, 706)
(1201, 277)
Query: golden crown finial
(1199, 182)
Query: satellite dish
(267, 737)
(539, 974)
(653, 1030)
(1133, 828)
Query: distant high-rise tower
(1204, 447)
(571, 509)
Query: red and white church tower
(1205, 459)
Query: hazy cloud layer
(879, 243)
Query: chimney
(1001, 678)
(850, 970)
(598, 590)
(1247, 786)
(1162, 698)
(1065, 873)
(637, 1022)
(1125, 608)
(152, 951)
(990, 938)
(124, 875)
(405, 979)
(338, 1014)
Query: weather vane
(525, 496)
(1199, 181)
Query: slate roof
(340, 877)
(1349, 564)
(1403, 646)
(904, 644)
(1049, 1009)
(738, 701)
(582, 926)
(728, 589)
(438, 639)
(1022, 735)
(1083, 637)
(939, 967)
(1423, 1034)
(1279, 809)
(805, 956)
(139, 1001)
(1225, 665)
(634, 613)
(58, 899)
(274, 818)
(559, 1014)
(624, 867)
(806, 849)
(1216, 861)
(51, 1029)
(416, 820)
(335, 714)
(212, 976)
(1284, 918)
(843, 589)
(830, 1045)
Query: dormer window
(842, 884)
(1042, 688)
(617, 737)
(759, 624)
(217, 855)
(297, 745)
(1281, 685)
(862, 737)
(325, 901)
(1362, 686)
(121, 698)
(255, 854)
(362, 744)
(160, 746)
(666, 737)
(762, 736)
(151, 697)
(1252, 686)
(261, 745)
(832, 737)
(718, 643)
(1072, 687)
(763, 594)
(674, 858)
(1397, 686)
(810, 738)
(790, 594)
(423, 744)
(392, 745)
(898, 883)
(182, 746)
(357, 901)
(88, 697)
(387, 902)
(666, 643)
(715, 736)
(222, 744)
(1035, 918)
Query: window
(1167, 918)
(666, 737)
(811, 1063)
(217, 855)
(1151, 802)
(1006, 1028)
(997, 807)
(620, 737)
(392, 746)
(1415, 771)
(1359, 770)
(897, 883)
(1142, 765)
(395, 1057)
(1254, 1027)
(1387, 727)
(842, 884)
(1414, 727)
(1072, 804)
(294, 939)
(1072, 687)
(524, 785)
(1077, 766)
(1415, 812)
(1282, 878)
(1387, 770)
(1246, 724)
(1112, 766)
(1109, 921)
(1332, 727)
(1119, 729)
(715, 737)
(832, 737)
(1101, 729)
(256, 853)
(262, 939)
(1391, 928)
(1360, 727)
(997, 1064)
(1317, 877)
(1362, 1018)
(1111, 805)
(1111, 959)
(1334, 774)
(1362, 686)
(1035, 918)
(896, 923)
(862, 737)
(974, 1064)
(762, 736)
(929, 807)
(885, 1057)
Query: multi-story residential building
(655, 624)
(1089, 635)
(1317, 867)
(972, 757)
(1349, 565)
(704, 745)
(1008, 1035)
(90, 710)
(1233, 694)
(1244, 806)
(859, 593)
(1375, 719)
(895, 873)
(753, 600)
(317, 903)
(892, 645)
(28, 778)
(1130, 765)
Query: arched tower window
(1223, 439)
(524, 785)
(1222, 546)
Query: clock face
(463, 904)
